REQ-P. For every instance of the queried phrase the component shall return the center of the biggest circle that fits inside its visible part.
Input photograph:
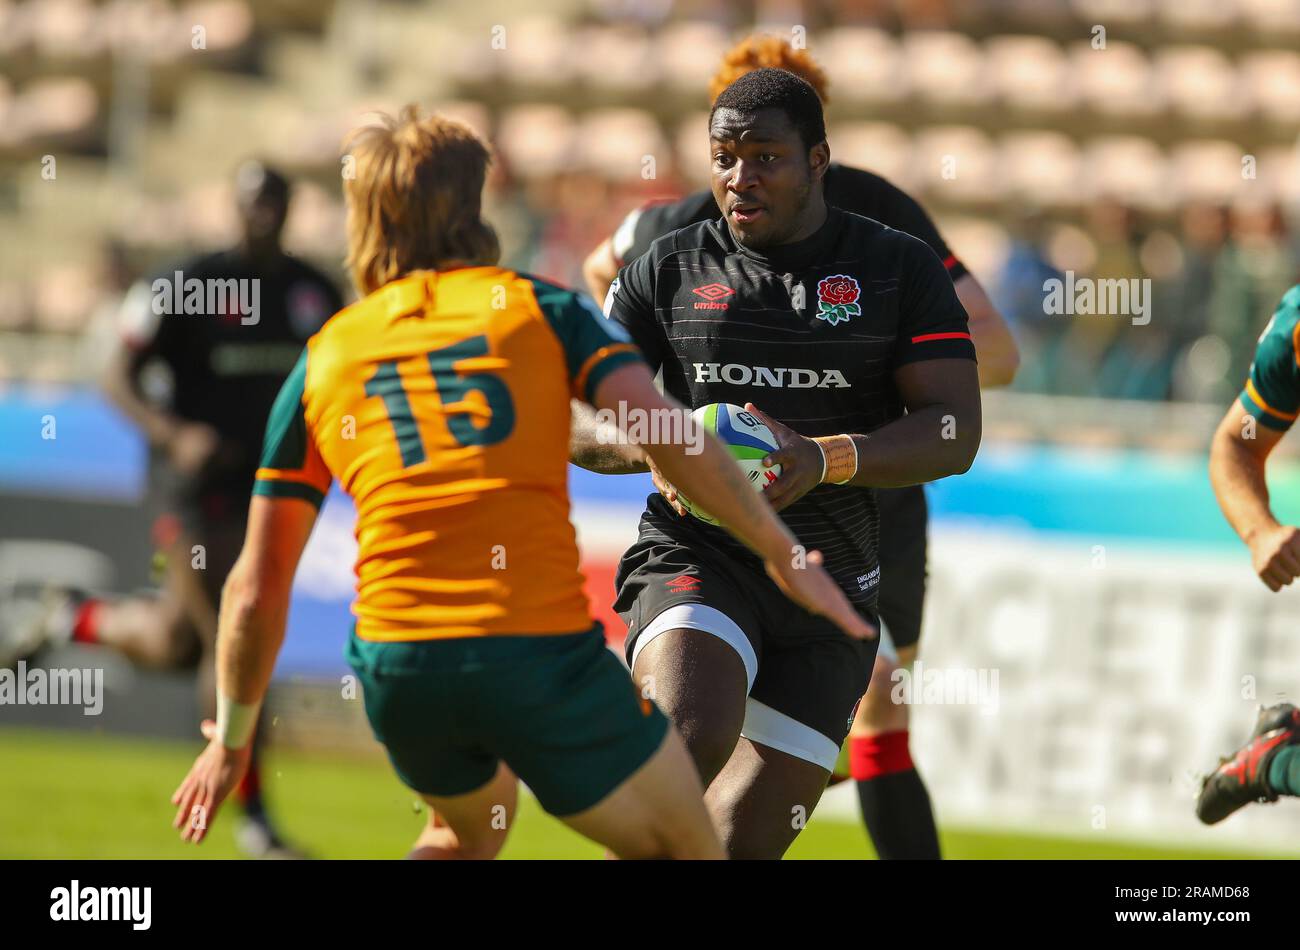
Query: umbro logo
(683, 584)
(714, 294)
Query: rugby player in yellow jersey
(440, 401)
(1268, 765)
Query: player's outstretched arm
(707, 473)
(250, 629)
(598, 447)
(999, 357)
(1238, 455)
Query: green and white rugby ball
(747, 439)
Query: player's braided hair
(777, 89)
(415, 198)
(760, 51)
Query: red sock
(884, 754)
(85, 624)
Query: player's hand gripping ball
(747, 439)
(799, 461)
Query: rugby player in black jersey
(895, 803)
(847, 338)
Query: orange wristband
(839, 458)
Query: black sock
(896, 811)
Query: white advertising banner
(1082, 686)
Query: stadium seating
(1032, 115)
(1031, 73)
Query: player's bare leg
(472, 826)
(762, 799)
(176, 629)
(699, 682)
(163, 631)
(878, 712)
(656, 813)
(899, 820)
(758, 798)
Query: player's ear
(819, 159)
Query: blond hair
(415, 198)
(761, 51)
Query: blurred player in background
(1268, 765)
(225, 366)
(835, 325)
(442, 403)
(895, 803)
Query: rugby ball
(747, 439)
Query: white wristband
(235, 721)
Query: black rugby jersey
(902, 510)
(227, 367)
(811, 333)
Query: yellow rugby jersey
(441, 404)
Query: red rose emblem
(838, 290)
